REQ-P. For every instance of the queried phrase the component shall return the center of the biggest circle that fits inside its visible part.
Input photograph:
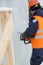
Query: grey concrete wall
(2, 3)
(22, 51)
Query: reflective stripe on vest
(37, 41)
(39, 37)
(39, 31)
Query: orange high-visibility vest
(37, 41)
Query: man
(35, 32)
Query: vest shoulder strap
(39, 18)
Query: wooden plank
(6, 35)
(5, 9)
(3, 64)
(10, 54)
(4, 19)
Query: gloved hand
(22, 36)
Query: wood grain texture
(5, 40)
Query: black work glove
(22, 36)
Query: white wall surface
(20, 14)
